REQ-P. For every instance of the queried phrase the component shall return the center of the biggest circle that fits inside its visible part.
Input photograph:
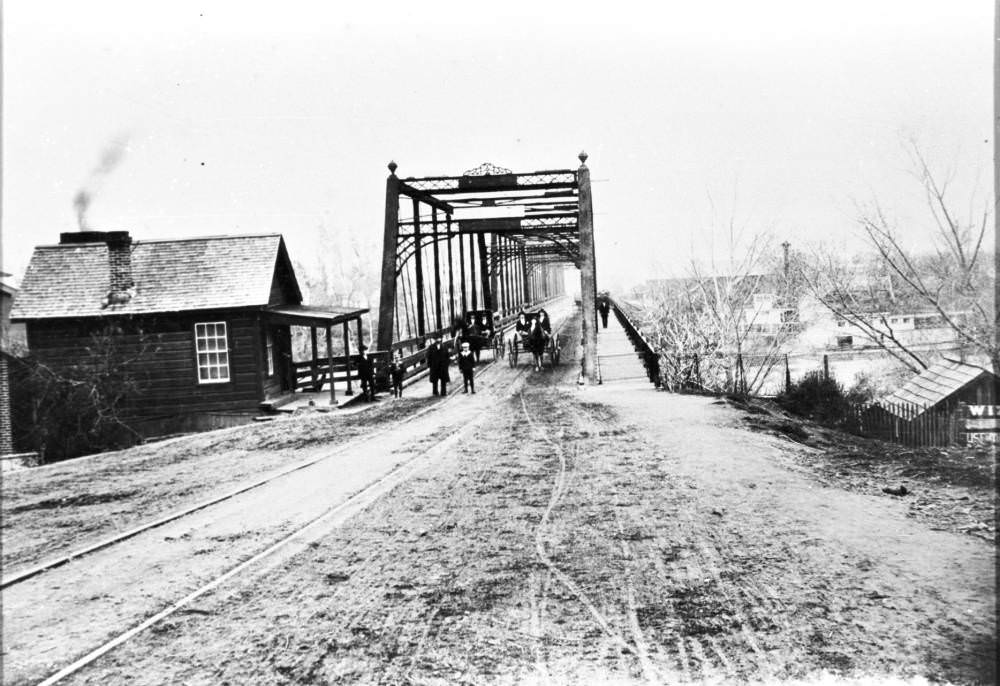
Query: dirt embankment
(595, 536)
(950, 489)
(57, 508)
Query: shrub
(816, 397)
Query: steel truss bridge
(490, 239)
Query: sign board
(487, 182)
(979, 424)
(494, 225)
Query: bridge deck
(616, 356)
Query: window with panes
(212, 348)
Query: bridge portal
(490, 239)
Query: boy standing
(467, 365)
(396, 371)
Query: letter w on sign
(984, 410)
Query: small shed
(204, 322)
(941, 388)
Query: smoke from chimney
(111, 157)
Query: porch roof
(307, 315)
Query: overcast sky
(248, 117)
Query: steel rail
(161, 521)
(373, 490)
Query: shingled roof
(934, 384)
(219, 272)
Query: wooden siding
(168, 369)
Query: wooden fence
(905, 423)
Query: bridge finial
(392, 167)
(583, 157)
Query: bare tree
(710, 326)
(950, 279)
(85, 407)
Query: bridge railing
(650, 358)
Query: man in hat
(366, 372)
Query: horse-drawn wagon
(533, 335)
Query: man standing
(366, 372)
(604, 307)
(437, 362)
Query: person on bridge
(488, 331)
(366, 372)
(467, 365)
(535, 343)
(396, 372)
(521, 327)
(438, 361)
(604, 307)
(543, 320)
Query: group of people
(534, 334)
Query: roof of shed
(934, 384)
(218, 272)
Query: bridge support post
(588, 275)
(525, 276)
(451, 276)
(472, 272)
(437, 270)
(418, 267)
(390, 242)
(494, 304)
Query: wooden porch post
(347, 359)
(588, 276)
(315, 354)
(329, 360)
(390, 246)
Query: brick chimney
(119, 259)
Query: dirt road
(568, 535)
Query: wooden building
(942, 387)
(205, 323)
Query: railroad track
(311, 530)
(110, 541)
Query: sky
(191, 118)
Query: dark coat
(438, 362)
(467, 363)
(366, 368)
(396, 370)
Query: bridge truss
(489, 239)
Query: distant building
(205, 320)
